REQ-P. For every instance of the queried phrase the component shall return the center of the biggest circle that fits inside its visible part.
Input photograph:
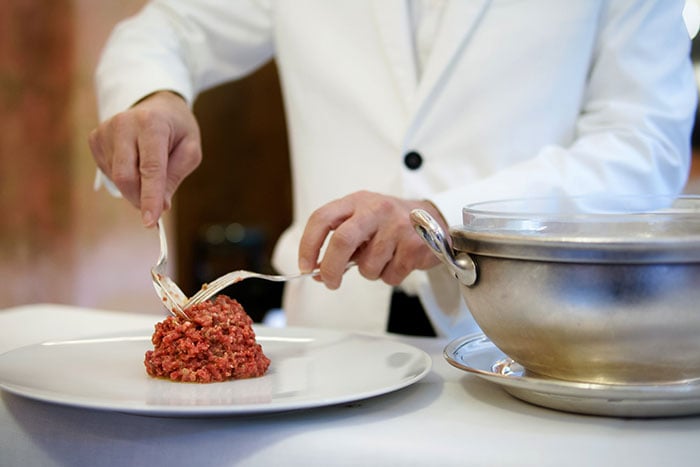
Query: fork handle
(222, 282)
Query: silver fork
(171, 295)
(209, 290)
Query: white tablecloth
(449, 418)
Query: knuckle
(146, 119)
(383, 206)
(320, 215)
(368, 270)
(122, 177)
(150, 167)
(391, 279)
(194, 151)
(403, 268)
(144, 115)
(399, 268)
(120, 123)
(343, 239)
(375, 258)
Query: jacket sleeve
(633, 130)
(182, 46)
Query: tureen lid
(583, 229)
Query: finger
(347, 240)
(320, 224)
(373, 257)
(397, 268)
(123, 154)
(97, 151)
(411, 253)
(152, 170)
(184, 159)
(98, 154)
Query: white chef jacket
(517, 97)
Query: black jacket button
(413, 160)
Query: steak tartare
(216, 344)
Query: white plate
(478, 355)
(309, 368)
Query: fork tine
(166, 295)
(172, 296)
(203, 293)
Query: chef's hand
(148, 150)
(371, 229)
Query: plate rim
(424, 364)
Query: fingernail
(304, 266)
(147, 218)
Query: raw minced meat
(217, 343)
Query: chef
(398, 104)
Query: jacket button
(413, 160)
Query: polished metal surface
(592, 322)
(212, 288)
(172, 297)
(613, 301)
(460, 264)
(476, 354)
(175, 300)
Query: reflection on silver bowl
(600, 290)
(476, 354)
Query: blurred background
(62, 242)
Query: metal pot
(590, 289)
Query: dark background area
(231, 210)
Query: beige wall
(60, 241)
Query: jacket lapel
(459, 20)
(393, 23)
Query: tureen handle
(461, 265)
